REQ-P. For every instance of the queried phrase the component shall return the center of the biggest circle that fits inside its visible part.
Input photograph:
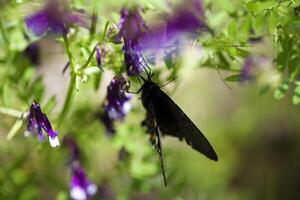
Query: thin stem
(105, 30)
(69, 53)
(70, 93)
(68, 99)
(11, 112)
(89, 59)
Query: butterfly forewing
(173, 121)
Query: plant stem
(105, 30)
(69, 53)
(68, 99)
(89, 59)
(11, 112)
(70, 93)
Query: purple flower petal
(38, 121)
(38, 23)
(131, 27)
(81, 187)
(32, 53)
(117, 104)
(55, 18)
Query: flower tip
(126, 107)
(54, 142)
(92, 189)
(78, 193)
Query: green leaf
(281, 91)
(16, 127)
(232, 30)
(6, 95)
(257, 7)
(97, 80)
(50, 104)
(296, 96)
(233, 78)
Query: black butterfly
(165, 117)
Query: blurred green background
(255, 136)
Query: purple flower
(117, 100)
(81, 188)
(39, 123)
(32, 53)
(177, 29)
(117, 105)
(253, 66)
(108, 123)
(246, 73)
(73, 147)
(131, 26)
(98, 57)
(54, 18)
(133, 58)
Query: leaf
(16, 127)
(257, 7)
(6, 95)
(50, 104)
(233, 78)
(232, 30)
(97, 80)
(281, 91)
(296, 96)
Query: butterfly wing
(173, 121)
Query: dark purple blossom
(54, 18)
(32, 53)
(73, 147)
(133, 58)
(253, 66)
(81, 188)
(117, 103)
(179, 28)
(131, 26)
(108, 123)
(39, 123)
(246, 73)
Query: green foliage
(239, 30)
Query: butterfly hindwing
(173, 121)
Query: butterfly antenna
(219, 73)
(147, 66)
(170, 81)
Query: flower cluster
(168, 36)
(39, 123)
(117, 105)
(54, 18)
(185, 21)
(131, 26)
